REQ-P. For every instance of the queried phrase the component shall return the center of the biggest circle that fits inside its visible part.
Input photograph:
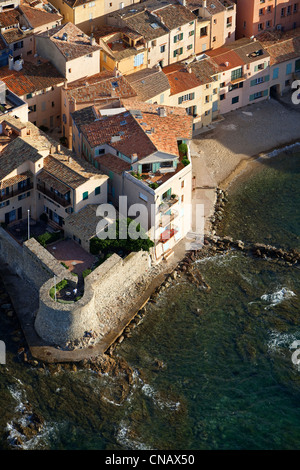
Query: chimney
(58, 148)
(204, 4)
(226, 64)
(134, 157)
(69, 159)
(162, 112)
(92, 40)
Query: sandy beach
(242, 136)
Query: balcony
(168, 204)
(63, 202)
(167, 218)
(167, 234)
(16, 192)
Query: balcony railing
(63, 202)
(167, 204)
(167, 218)
(16, 192)
(167, 234)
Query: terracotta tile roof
(15, 179)
(281, 46)
(205, 69)
(222, 55)
(9, 18)
(71, 170)
(249, 51)
(174, 16)
(100, 86)
(140, 130)
(148, 83)
(44, 177)
(213, 7)
(113, 163)
(180, 79)
(84, 116)
(121, 132)
(37, 17)
(15, 34)
(63, 166)
(84, 222)
(77, 44)
(31, 78)
(141, 23)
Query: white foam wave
(123, 437)
(279, 340)
(277, 297)
(276, 152)
(149, 391)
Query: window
(32, 108)
(207, 113)
(69, 70)
(143, 197)
(214, 39)
(18, 45)
(297, 65)
(191, 33)
(29, 96)
(177, 52)
(237, 73)
(52, 104)
(189, 47)
(189, 97)
(222, 97)
(260, 26)
(268, 24)
(153, 43)
(85, 195)
(182, 184)
(289, 10)
(203, 31)
(261, 11)
(275, 73)
(97, 190)
(282, 12)
(295, 9)
(162, 48)
(235, 99)
(257, 95)
(178, 37)
(138, 60)
(222, 85)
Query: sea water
(226, 378)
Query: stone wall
(32, 261)
(63, 323)
(59, 323)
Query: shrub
(185, 161)
(64, 265)
(86, 272)
(59, 286)
(153, 185)
(127, 245)
(48, 237)
(183, 148)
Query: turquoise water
(227, 379)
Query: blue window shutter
(288, 69)
(265, 92)
(253, 82)
(267, 78)
(275, 73)
(251, 97)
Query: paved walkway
(73, 255)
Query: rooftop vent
(154, 25)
